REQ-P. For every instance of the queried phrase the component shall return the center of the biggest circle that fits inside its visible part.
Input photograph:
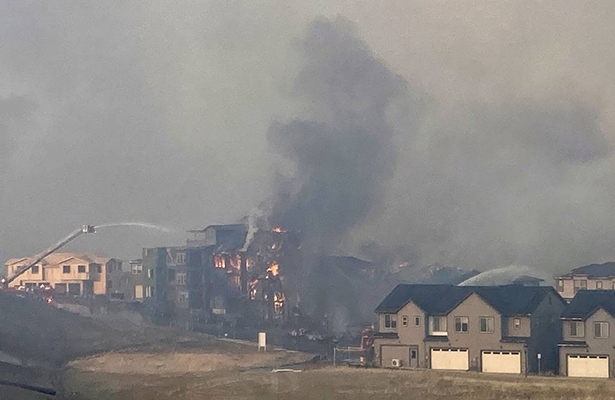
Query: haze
(501, 127)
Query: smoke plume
(341, 146)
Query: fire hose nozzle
(88, 229)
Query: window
(601, 330)
(413, 354)
(487, 324)
(150, 273)
(136, 269)
(417, 320)
(560, 285)
(181, 279)
(182, 297)
(390, 321)
(516, 323)
(599, 285)
(437, 326)
(81, 269)
(149, 291)
(66, 269)
(35, 269)
(180, 258)
(461, 324)
(580, 284)
(577, 329)
(99, 268)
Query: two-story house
(499, 329)
(68, 273)
(588, 348)
(589, 277)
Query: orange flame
(274, 269)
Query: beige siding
(524, 327)
(410, 335)
(595, 346)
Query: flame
(278, 229)
(219, 261)
(274, 269)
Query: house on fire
(498, 329)
(587, 347)
(223, 273)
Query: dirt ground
(330, 383)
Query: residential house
(587, 348)
(68, 273)
(589, 277)
(499, 329)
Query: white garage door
(503, 362)
(587, 366)
(455, 359)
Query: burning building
(249, 270)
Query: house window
(390, 321)
(413, 354)
(601, 330)
(99, 268)
(437, 326)
(81, 269)
(580, 284)
(577, 329)
(35, 269)
(516, 323)
(599, 285)
(150, 273)
(181, 279)
(487, 324)
(417, 320)
(136, 269)
(560, 285)
(461, 324)
(404, 320)
(149, 291)
(180, 258)
(182, 297)
(66, 269)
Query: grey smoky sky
(160, 112)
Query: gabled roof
(441, 299)
(587, 302)
(594, 270)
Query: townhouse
(589, 277)
(68, 273)
(587, 348)
(499, 329)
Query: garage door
(503, 362)
(455, 359)
(587, 366)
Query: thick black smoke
(342, 145)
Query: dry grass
(332, 383)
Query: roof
(527, 278)
(58, 258)
(441, 299)
(228, 227)
(586, 302)
(594, 270)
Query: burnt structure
(249, 270)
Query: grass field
(330, 383)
